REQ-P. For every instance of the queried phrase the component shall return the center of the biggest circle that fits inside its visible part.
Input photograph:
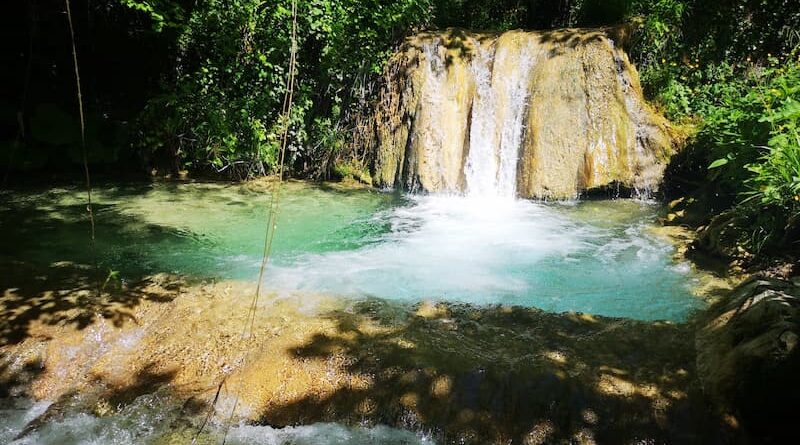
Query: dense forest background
(185, 85)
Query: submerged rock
(749, 360)
(536, 114)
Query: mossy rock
(352, 171)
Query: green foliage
(776, 174)
(51, 125)
(658, 36)
(162, 13)
(749, 135)
(224, 108)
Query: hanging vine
(272, 218)
(89, 205)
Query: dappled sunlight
(486, 382)
(465, 373)
(380, 312)
(70, 294)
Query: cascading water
(502, 76)
(511, 89)
(529, 114)
(482, 168)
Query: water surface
(598, 257)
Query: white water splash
(484, 250)
(502, 77)
(151, 419)
(482, 161)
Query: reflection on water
(594, 256)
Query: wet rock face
(532, 114)
(749, 357)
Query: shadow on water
(46, 265)
(511, 375)
(67, 294)
(47, 268)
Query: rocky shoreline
(466, 374)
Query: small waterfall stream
(502, 76)
(482, 170)
(511, 87)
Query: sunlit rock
(531, 114)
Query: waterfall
(483, 164)
(502, 76)
(520, 114)
(512, 76)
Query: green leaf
(718, 163)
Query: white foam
(15, 414)
(325, 434)
(150, 418)
(441, 246)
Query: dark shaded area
(512, 375)
(68, 294)
(122, 62)
(40, 234)
(733, 30)
(749, 356)
(768, 396)
(49, 272)
(51, 224)
(506, 14)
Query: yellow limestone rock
(550, 113)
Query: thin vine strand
(89, 205)
(274, 205)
